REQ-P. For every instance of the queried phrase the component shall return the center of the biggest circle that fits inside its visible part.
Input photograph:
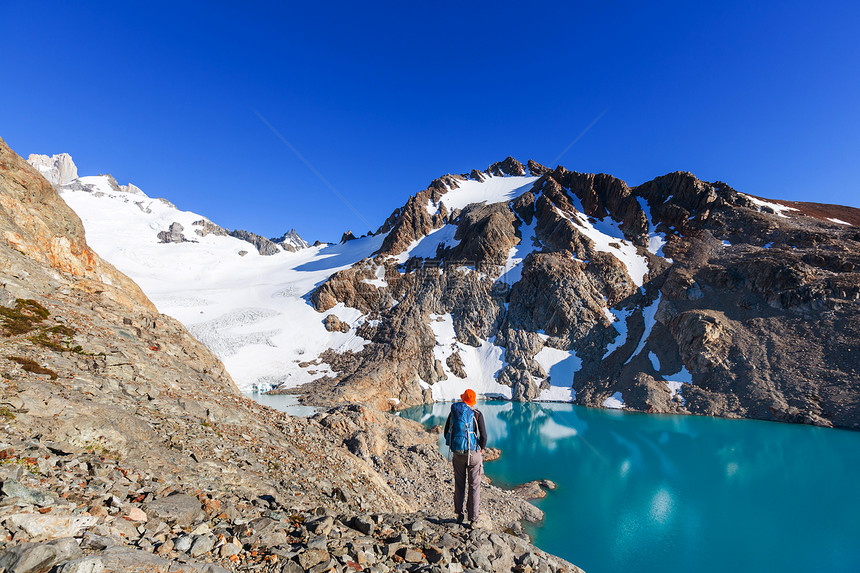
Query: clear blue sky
(383, 97)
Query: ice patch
(675, 388)
(726, 244)
(682, 375)
(379, 281)
(426, 246)
(838, 221)
(561, 366)
(608, 238)
(513, 271)
(491, 190)
(656, 240)
(616, 401)
(619, 318)
(648, 313)
(655, 362)
(775, 207)
(677, 380)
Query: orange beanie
(469, 397)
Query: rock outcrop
(209, 228)
(39, 225)
(263, 245)
(57, 169)
(173, 234)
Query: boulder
(38, 557)
(181, 509)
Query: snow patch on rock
(616, 401)
(482, 364)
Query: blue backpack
(461, 432)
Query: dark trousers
(468, 471)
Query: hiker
(466, 436)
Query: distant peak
(291, 241)
(57, 169)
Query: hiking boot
(460, 517)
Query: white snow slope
(253, 311)
(248, 309)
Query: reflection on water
(288, 403)
(679, 493)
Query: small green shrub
(23, 318)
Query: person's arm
(482, 431)
(447, 424)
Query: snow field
(250, 310)
(491, 190)
(481, 364)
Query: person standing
(466, 435)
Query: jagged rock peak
(414, 220)
(348, 236)
(291, 241)
(57, 169)
(536, 168)
(509, 166)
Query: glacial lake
(648, 493)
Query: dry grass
(33, 366)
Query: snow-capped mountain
(521, 282)
(291, 241)
(217, 285)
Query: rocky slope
(125, 445)
(677, 295)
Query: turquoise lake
(645, 493)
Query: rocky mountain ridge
(677, 295)
(532, 283)
(125, 445)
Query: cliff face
(125, 444)
(678, 296)
(57, 169)
(37, 223)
